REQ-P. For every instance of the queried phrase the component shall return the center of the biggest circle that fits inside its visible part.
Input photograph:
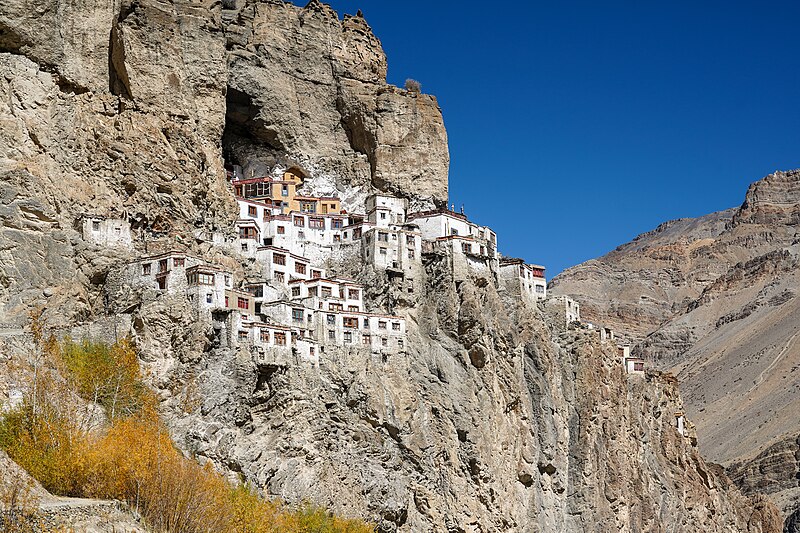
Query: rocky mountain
(714, 300)
(496, 417)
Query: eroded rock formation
(495, 419)
(714, 299)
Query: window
(178, 262)
(301, 235)
(412, 254)
(466, 247)
(312, 291)
(257, 291)
(247, 232)
(356, 233)
(242, 335)
(453, 231)
(331, 334)
(395, 326)
(350, 322)
(162, 265)
(226, 301)
(208, 297)
(383, 236)
(311, 351)
(279, 277)
(299, 222)
(297, 315)
(366, 323)
(410, 240)
(326, 292)
(324, 209)
(316, 274)
(335, 307)
(384, 342)
(280, 338)
(227, 281)
(348, 337)
(331, 319)
(264, 335)
(483, 250)
(345, 235)
(285, 190)
(400, 343)
(118, 231)
(316, 223)
(256, 189)
(337, 238)
(308, 207)
(242, 303)
(300, 268)
(540, 289)
(366, 340)
(382, 324)
(383, 215)
(95, 225)
(638, 367)
(353, 294)
(336, 223)
(352, 308)
(295, 291)
(394, 236)
(281, 230)
(244, 246)
(278, 259)
(252, 211)
(146, 269)
(382, 251)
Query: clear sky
(575, 126)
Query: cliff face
(495, 418)
(306, 88)
(721, 308)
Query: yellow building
(283, 193)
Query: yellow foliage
(108, 375)
(132, 457)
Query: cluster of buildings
(291, 309)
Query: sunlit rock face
(493, 419)
(714, 300)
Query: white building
(111, 232)
(443, 223)
(526, 281)
(633, 364)
(328, 294)
(280, 266)
(337, 327)
(563, 310)
(392, 248)
(384, 211)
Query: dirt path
(774, 362)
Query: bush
(45, 436)
(413, 86)
(131, 457)
(108, 375)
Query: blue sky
(596, 121)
